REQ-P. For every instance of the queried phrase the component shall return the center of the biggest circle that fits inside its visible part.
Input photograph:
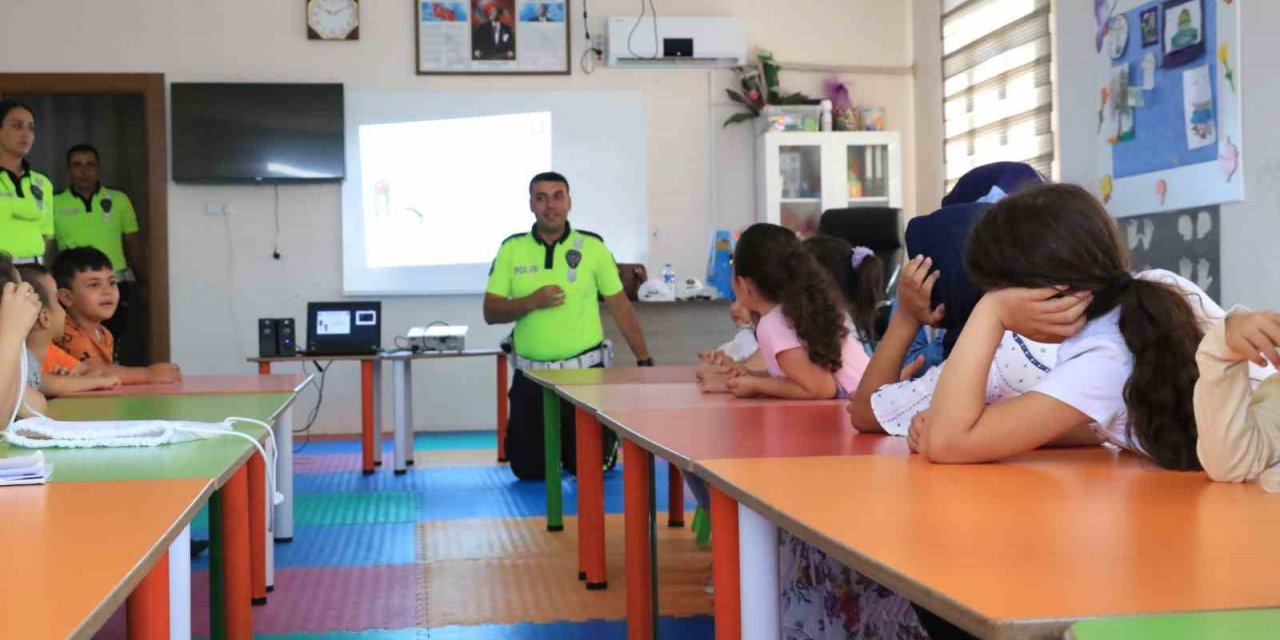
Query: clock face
(333, 19)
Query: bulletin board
(1169, 117)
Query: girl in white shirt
(1055, 269)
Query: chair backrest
(877, 228)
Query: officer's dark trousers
(524, 444)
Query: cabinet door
(800, 185)
(868, 176)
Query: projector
(438, 338)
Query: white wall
(223, 277)
(1249, 228)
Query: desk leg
(591, 540)
(258, 528)
(675, 497)
(377, 414)
(231, 528)
(502, 408)
(180, 586)
(264, 368)
(402, 411)
(147, 609)
(283, 521)
(366, 417)
(637, 478)
(727, 603)
(551, 442)
(758, 572)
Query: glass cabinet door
(800, 169)
(867, 175)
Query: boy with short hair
(49, 327)
(87, 290)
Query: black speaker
(286, 338)
(268, 345)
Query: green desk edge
(212, 458)
(1253, 624)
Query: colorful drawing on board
(1104, 187)
(1224, 54)
(1197, 100)
(1119, 116)
(1118, 37)
(1183, 32)
(1102, 16)
(1148, 71)
(1229, 159)
(1162, 189)
(1150, 22)
(1102, 108)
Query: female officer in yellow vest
(26, 196)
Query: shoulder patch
(590, 233)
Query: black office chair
(878, 229)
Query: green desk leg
(551, 442)
(217, 605)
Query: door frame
(151, 87)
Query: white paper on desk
(24, 470)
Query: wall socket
(217, 209)
(597, 43)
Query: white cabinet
(802, 174)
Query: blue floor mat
(432, 441)
(348, 545)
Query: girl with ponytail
(808, 342)
(1054, 269)
(859, 277)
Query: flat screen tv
(228, 133)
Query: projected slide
(447, 192)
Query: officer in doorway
(26, 195)
(546, 280)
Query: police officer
(546, 281)
(88, 214)
(26, 196)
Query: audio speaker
(286, 338)
(268, 344)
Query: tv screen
(257, 132)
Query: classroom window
(997, 84)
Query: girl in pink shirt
(808, 343)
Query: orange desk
(1023, 549)
(72, 552)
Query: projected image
(447, 192)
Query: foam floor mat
(354, 508)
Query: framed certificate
(492, 36)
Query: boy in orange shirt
(87, 290)
(49, 327)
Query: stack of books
(30, 469)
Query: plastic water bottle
(669, 278)
(826, 115)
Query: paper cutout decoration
(1228, 72)
(1141, 238)
(1197, 100)
(1149, 20)
(1204, 224)
(1104, 186)
(1162, 189)
(1119, 116)
(1102, 17)
(1102, 108)
(1229, 159)
(1148, 71)
(1186, 228)
(1117, 37)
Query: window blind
(997, 84)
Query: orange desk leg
(502, 408)
(147, 610)
(727, 603)
(368, 441)
(675, 497)
(264, 368)
(235, 557)
(591, 499)
(637, 484)
(258, 528)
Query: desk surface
(72, 552)
(214, 458)
(604, 398)
(421, 355)
(1021, 549)
(1257, 624)
(613, 375)
(205, 385)
(763, 430)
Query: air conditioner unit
(698, 42)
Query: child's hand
(717, 359)
(1048, 314)
(105, 382)
(713, 382)
(163, 373)
(19, 308)
(919, 431)
(742, 386)
(59, 370)
(908, 372)
(915, 287)
(1254, 336)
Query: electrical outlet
(597, 43)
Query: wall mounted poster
(492, 36)
(1178, 145)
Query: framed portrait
(492, 37)
(1183, 35)
(1150, 20)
